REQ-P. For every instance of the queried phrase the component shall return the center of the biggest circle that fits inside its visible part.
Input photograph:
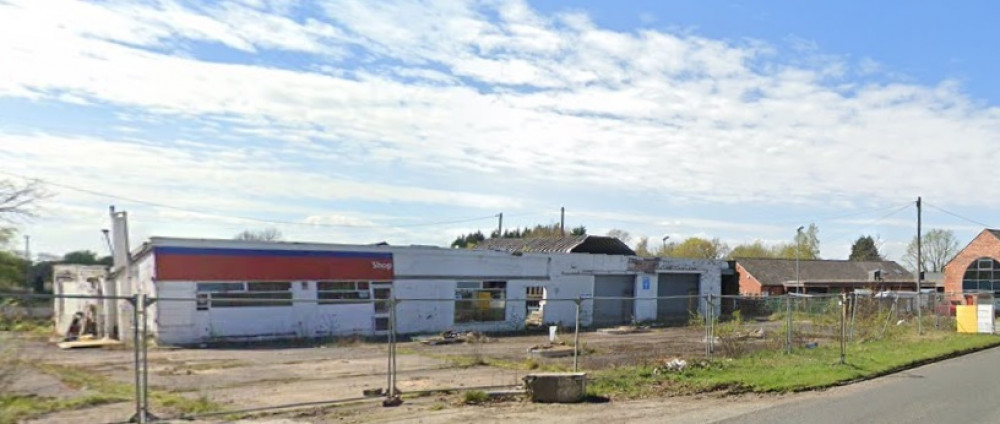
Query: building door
(680, 308)
(381, 292)
(620, 308)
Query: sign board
(966, 318)
(984, 318)
(975, 318)
(645, 283)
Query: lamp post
(664, 248)
(798, 252)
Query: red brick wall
(984, 245)
(748, 284)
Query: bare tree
(19, 200)
(266, 234)
(622, 235)
(937, 247)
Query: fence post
(843, 328)
(576, 337)
(709, 327)
(788, 323)
(145, 301)
(138, 417)
(392, 398)
(920, 314)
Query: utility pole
(919, 259)
(920, 268)
(27, 262)
(798, 252)
(500, 226)
(562, 220)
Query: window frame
(340, 292)
(982, 276)
(469, 301)
(254, 294)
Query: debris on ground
(673, 365)
(551, 350)
(624, 329)
(452, 337)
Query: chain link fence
(265, 352)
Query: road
(961, 390)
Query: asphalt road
(961, 390)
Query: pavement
(961, 390)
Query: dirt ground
(270, 376)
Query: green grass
(804, 369)
(475, 397)
(14, 408)
(28, 326)
(101, 391)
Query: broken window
(481, 301)
(334, 292)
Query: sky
(350, 121)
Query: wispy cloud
(480, 104)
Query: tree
(937, 248)
(754, 250)
(16, 201)
(19, 200)
(266, 234)
(865, 249)
(699, 248)
(806, 243)
(622, 235)
(642, 247)
(468, 241)
(82, 257)
(578, 231)
(12, 269)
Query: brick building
(763, 277)
(975, 268)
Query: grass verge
(804, 369)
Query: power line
(873, 222)
(245, 218)
(958, 216)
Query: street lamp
(665, 243)
(798, 252)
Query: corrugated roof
(569, 244)
(776, 272)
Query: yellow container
(966, 315)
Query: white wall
(645, 288)
(421, 273)
(710, 281)
(79, 280)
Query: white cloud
(466, 97)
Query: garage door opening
(677, 310)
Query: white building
(78, 282)
(218, 290)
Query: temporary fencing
(384, 348)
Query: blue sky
(413, 122)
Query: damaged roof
(776, 272)
(569, 244)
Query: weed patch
(804, 369)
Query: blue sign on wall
(645, 283)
